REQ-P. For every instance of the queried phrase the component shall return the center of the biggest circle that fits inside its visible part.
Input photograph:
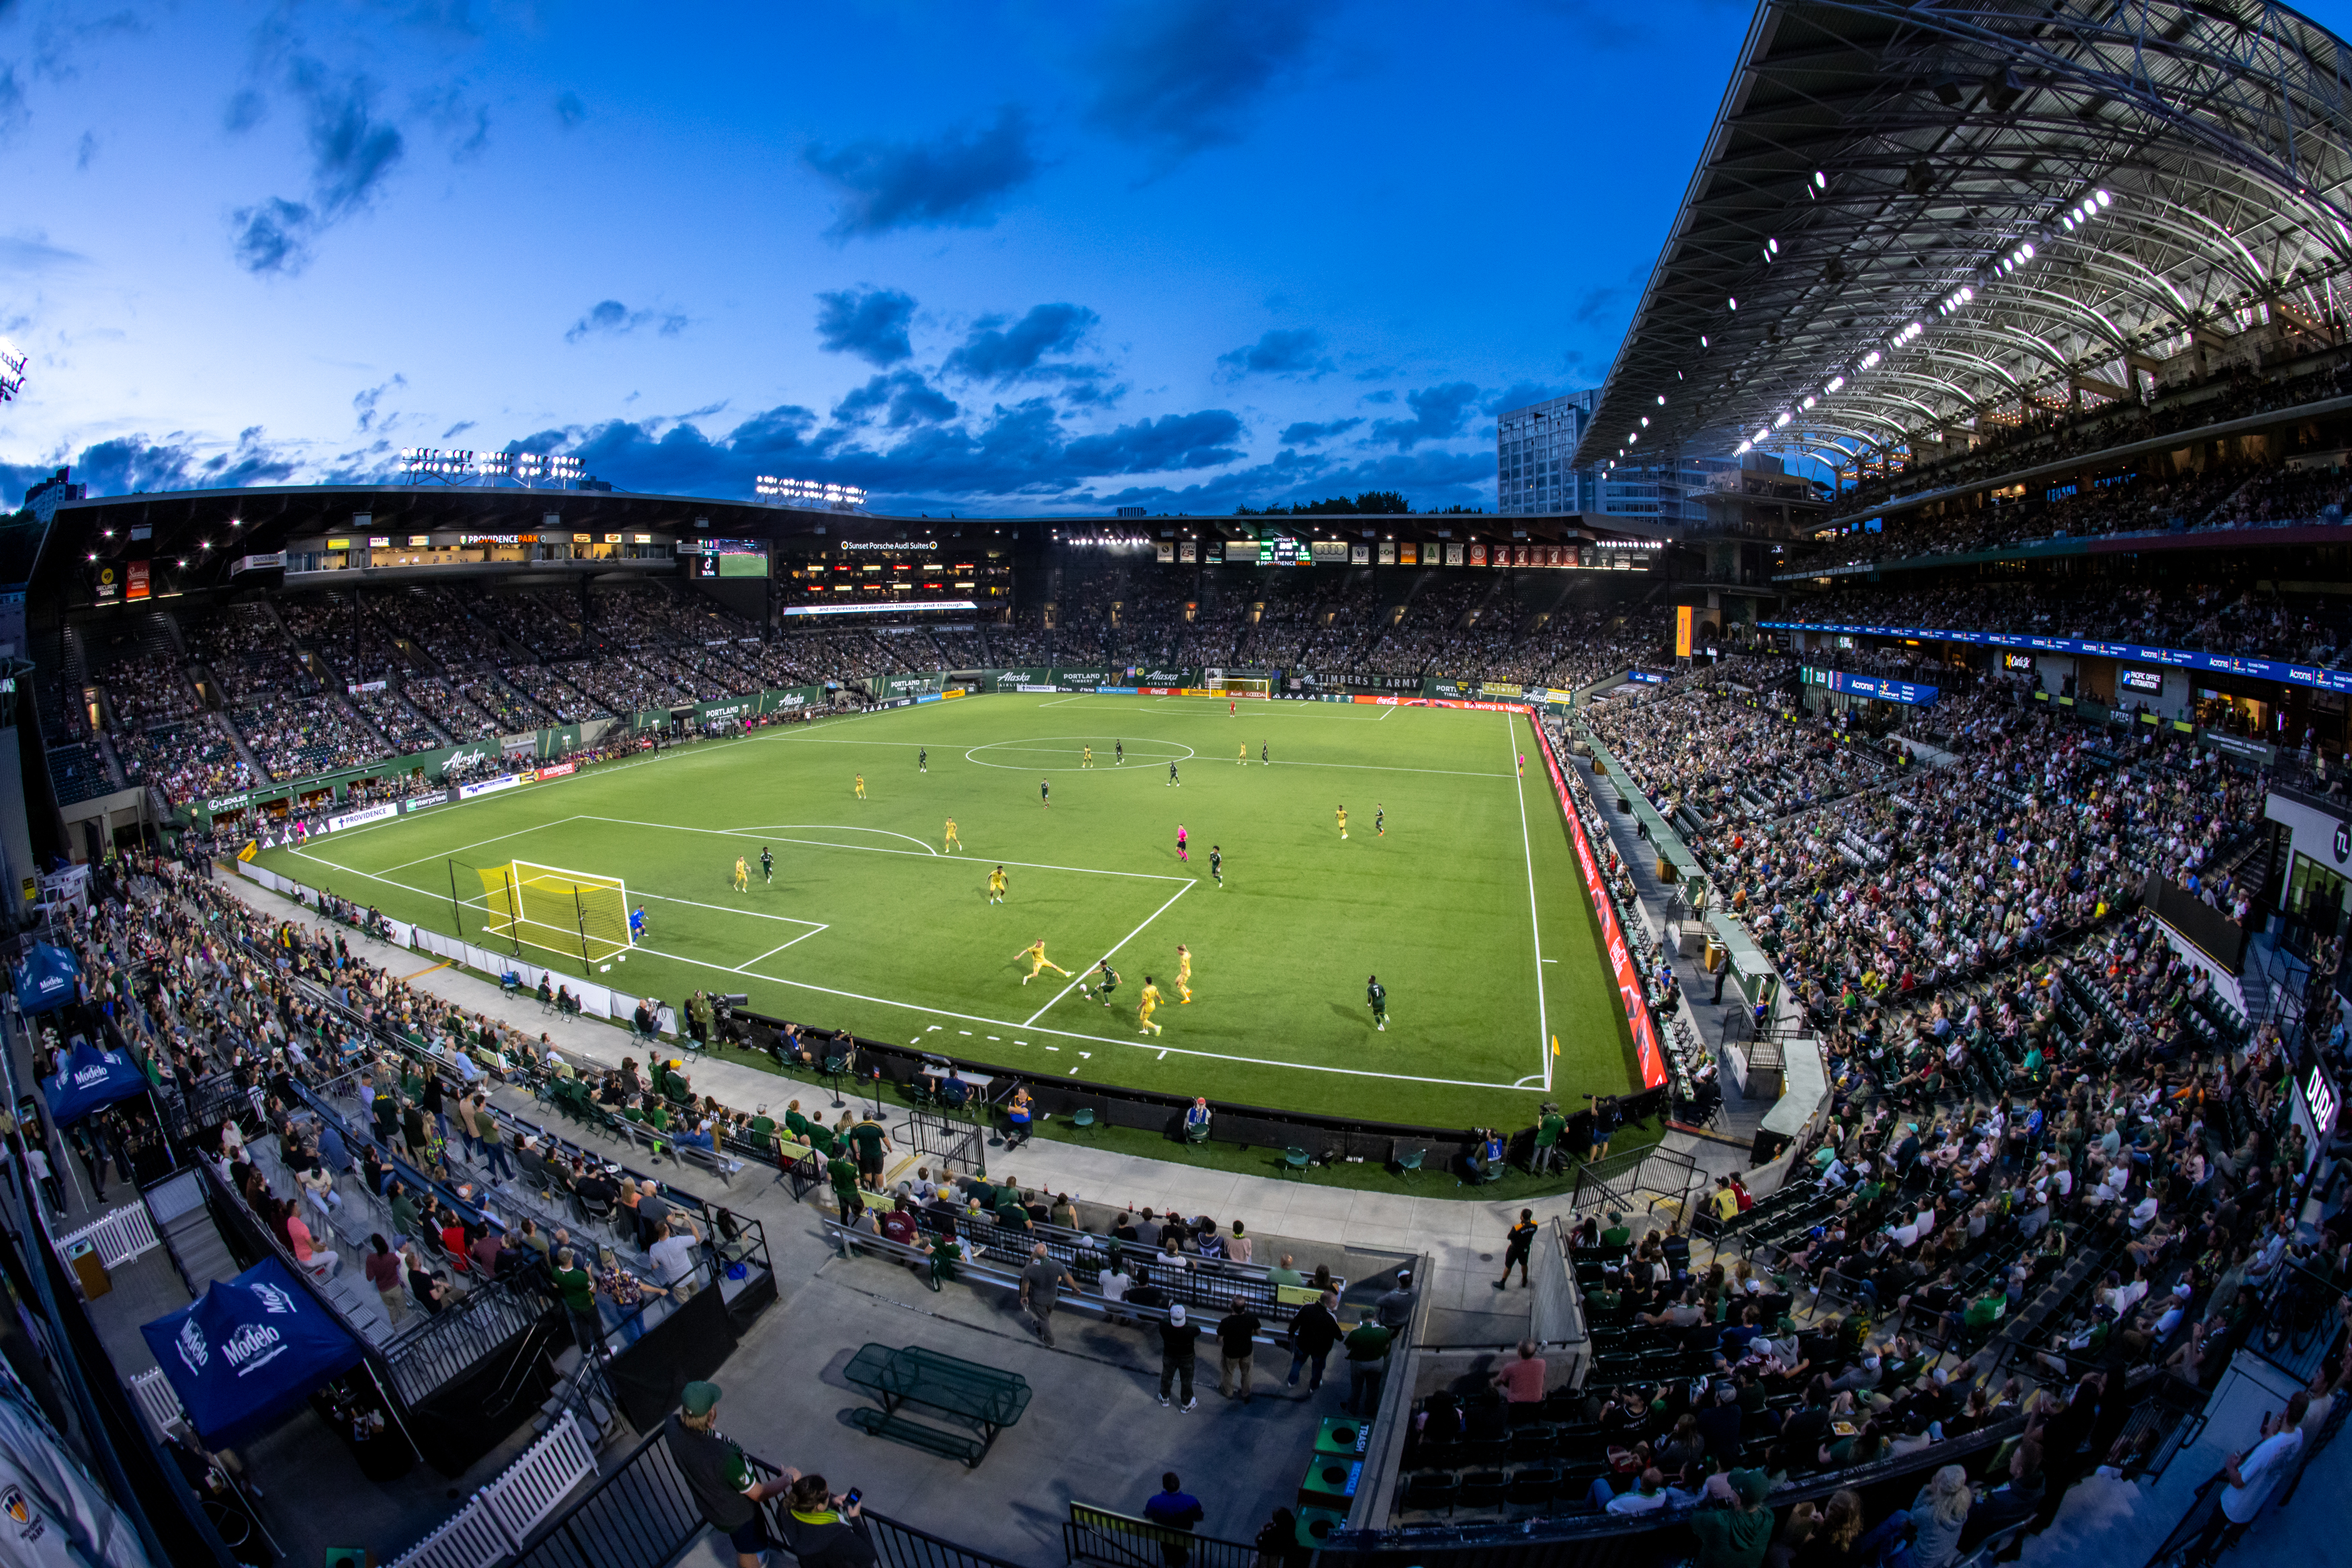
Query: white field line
(457, 848)
(1080, 977)
(874, 850)
(1535, 926)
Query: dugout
(1325, 1138)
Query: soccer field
(1469, 908)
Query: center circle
(1066, 753)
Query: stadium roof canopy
(1929, 215)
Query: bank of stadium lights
(12, 371)
(527, 468)
(807, 492)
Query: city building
(1535, 474)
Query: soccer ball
(1085, 992)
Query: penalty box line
(1079, 978)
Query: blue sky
(989, 258)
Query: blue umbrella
(46, 977)
(251, 1350)
(89, 1078)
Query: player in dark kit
(1046, 793)
(922, 759)
(1217, 864)
(1378, 996)
(1172, 774)
(1105, 980)
(1118, 753)
(768, 864)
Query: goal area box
(578, 914)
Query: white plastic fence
(497, 1519)
(119, 1238)
(157, 1401)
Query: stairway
(579, 1385)
(177, 1208)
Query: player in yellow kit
(1183, 973)
(1243, 760)
(1038, 962)
(1088, 760)
(996, 885)
(1149, 1002)
(953, 842)
(1343, 821)
(861, 786)
(742, 875)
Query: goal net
(568, 911)
(1231, 687)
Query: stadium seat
(1196, 1133)
(1533, 1487)
(1429, 1494)
(1294, 1159)
(1083, 1120)
(1483, 1489)
(1409, 1161)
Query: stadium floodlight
(1835, 382)
(1734, 301)
(1661, 397)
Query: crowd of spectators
(2053, 434)
(2233, 613)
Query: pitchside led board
(1684, 616)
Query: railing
(643, 1515)
(640, 1516)
(497, 1519)
(454, 1340)
(1614, 1181)
(947, 1143)
(1097, 1535)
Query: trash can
(1665, 871)
(83, 1258)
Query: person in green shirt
(1734, 1527)
(1368, 1365)
(1282, 1273)
(795, 1123)
(578, 1289)
(403, 1211)
(1618, 1234)
(843, 1177)
(1547, 1131)
(870, 1144)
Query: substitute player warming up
(1377, 995)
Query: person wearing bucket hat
(723, 1484)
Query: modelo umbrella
(88, 1078)
(254, 1348)
(46, 977)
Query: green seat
(1294, 1159)
(1409, 1161)
(1083, 1118)
(1196, 1134)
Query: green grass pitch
(1469, 908)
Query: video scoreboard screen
(724, 558)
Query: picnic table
(989, 1399)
